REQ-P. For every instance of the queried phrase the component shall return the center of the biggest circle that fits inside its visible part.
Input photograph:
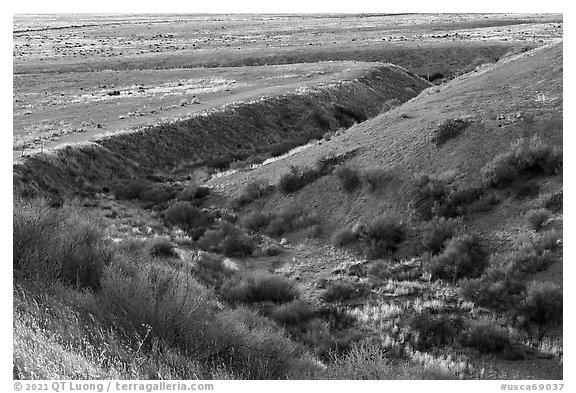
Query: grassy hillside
(518, 97)
(422, 243)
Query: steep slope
(517, 97)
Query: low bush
(297, 178)
(193, 193)
(156, 194)
(524, 158)
(380, 271)
(426, 192)
(254, 190)
(450, 129)
(289, 220)
(344, 237)
(161, 247)
(543, 305)
(131, 189)
(253, 160)
(487, 338)
(499, 288)
(382, 236)
(228, 240)
(554, 202)
(536, 218)
(375, 178)
(464, 256)
(439, 197)
(348, 177)
(435, 330)
(436, 232)
(187, 217)
(58, 244)
(527, 190)
(294, 313)
(211, 270)
(258, 286)
(257, 221)
(340, 291)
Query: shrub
(344, 237)
(500, 288)
(464, 256)
(484, 204)
(435, 330)
(186, 216)
(436, 232)
(527, 190)
(254, 190)
(528, 259)
(294, 313)
(382, 236)
(523, 158)
(257, 221)
(536, 218)
(289, 220)
(296, 179)
(554, 202)
(375, 178)
(193, 193)
(58, 244)
(340, 291)
(227, 239)
(448, 130)
(211, 270)
(548, 240)
(258, 286)
(426, 192)
(349, 178)
(272, 250)
(162, 247)
(326, 164)
(156, 194)
(543, 305)
(487, 338)
(132, 189)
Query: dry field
(99, 74)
